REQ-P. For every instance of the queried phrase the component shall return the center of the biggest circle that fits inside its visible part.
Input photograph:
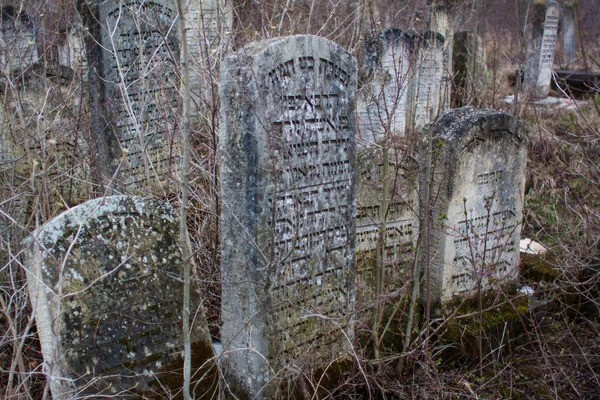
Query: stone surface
(18, 48)
(441, 20)
(288, 191)
(541, 44)
(105, 284)
(134, 51)
(424, 90)
(470, 69)
(479, 160)
(71, 52)
(399, 220)
(382, 100)
(569, 33)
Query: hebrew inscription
(289, 181)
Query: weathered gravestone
(288, 191)
(106, 288)
(71, 51)
(541, 43)
(569, 33)
(476, 198)
(470, 69)
(441, 21)
(133, 53)
(18, 48)
(382, 100)
(424, 90)
(386, 220)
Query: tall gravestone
(382, 101)
(288, 191)
(133, 53)
(105, 284)
(569, 33)
(424, 90)
(470, 70)
(441, 21)
(476, 194)
(71, 52)
(18, 49)
(541, 44)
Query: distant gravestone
(441, 21)
(383, 99)
(18, 49)
(105, 284)
(71, 52)
(541, 44)
(469, 65)
(133, 52)
(569, 33)
(476, 198)
(424, 91)
(288, 191)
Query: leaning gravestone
(541, 43)
(424, 90)
(477, 189)
(105, 284)
(470, 69)
(382, 100)
(133, 54)
(288, 191)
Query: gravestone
(390, 222)
(541, 43)
(208, 24)
(441, 21)
(476, 192)
(105, 284)
(288, 191)
(18, 49)
(424, 90)
(469, 65)
(569, 33)
(382, 100)
(133, 53)
(71, 52)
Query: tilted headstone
(105, 280)
(18, 48)
(470, 70)
(382, 100)
(288, 191)
(133, 53)
(476, 191)
(541, 43)
(569, 33)
(424, 91)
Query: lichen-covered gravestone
(424, 90)
(541, 43)
(470, 70)
(382, 100)
(106, 288)
(476, 195)
(288, 191)
(133, 53)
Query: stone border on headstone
(477, 189)
(541, 43)
(133, 55)
(382, 101)
(289, 196)
(470, 70)
(106, 288)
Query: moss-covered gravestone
(105, 280)
(475, 193)
(289, 197)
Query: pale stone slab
(106, 288)
(382, 101)
(478, 171)
(541, 44)
(134, 51)
(289, 197)
(18, 48)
